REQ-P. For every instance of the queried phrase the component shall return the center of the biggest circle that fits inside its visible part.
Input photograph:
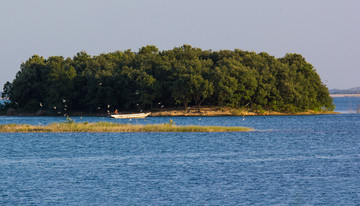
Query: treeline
(150, 79)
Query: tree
(200, 88)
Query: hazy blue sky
(325, 32)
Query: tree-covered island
(151, 80)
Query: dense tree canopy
(183, 76)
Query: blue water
(347, 104)
(288, 160)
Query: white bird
(54, 107)
(40, 104)
(108, 106)
(100, 83)
(99, 108)
(162, 106)
(64, 100)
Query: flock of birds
(108, 108)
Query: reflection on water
(346, 104)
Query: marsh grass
(114, 127)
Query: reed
(114, 127)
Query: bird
(100, 83)
(54, 107)
(64, 100)
(40, 104)
(108, 106)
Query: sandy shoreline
(174, 112)
(230, 112)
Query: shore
(192, 111)
(218, 111)
(344, 95)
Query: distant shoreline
(344, 95)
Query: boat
(130, 116)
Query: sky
(325, 32)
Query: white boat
(130, 116)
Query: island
(163, 82)
(115, 127)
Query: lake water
(288, 160)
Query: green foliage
(171, 122)
(150, 78)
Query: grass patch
(114, 127)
